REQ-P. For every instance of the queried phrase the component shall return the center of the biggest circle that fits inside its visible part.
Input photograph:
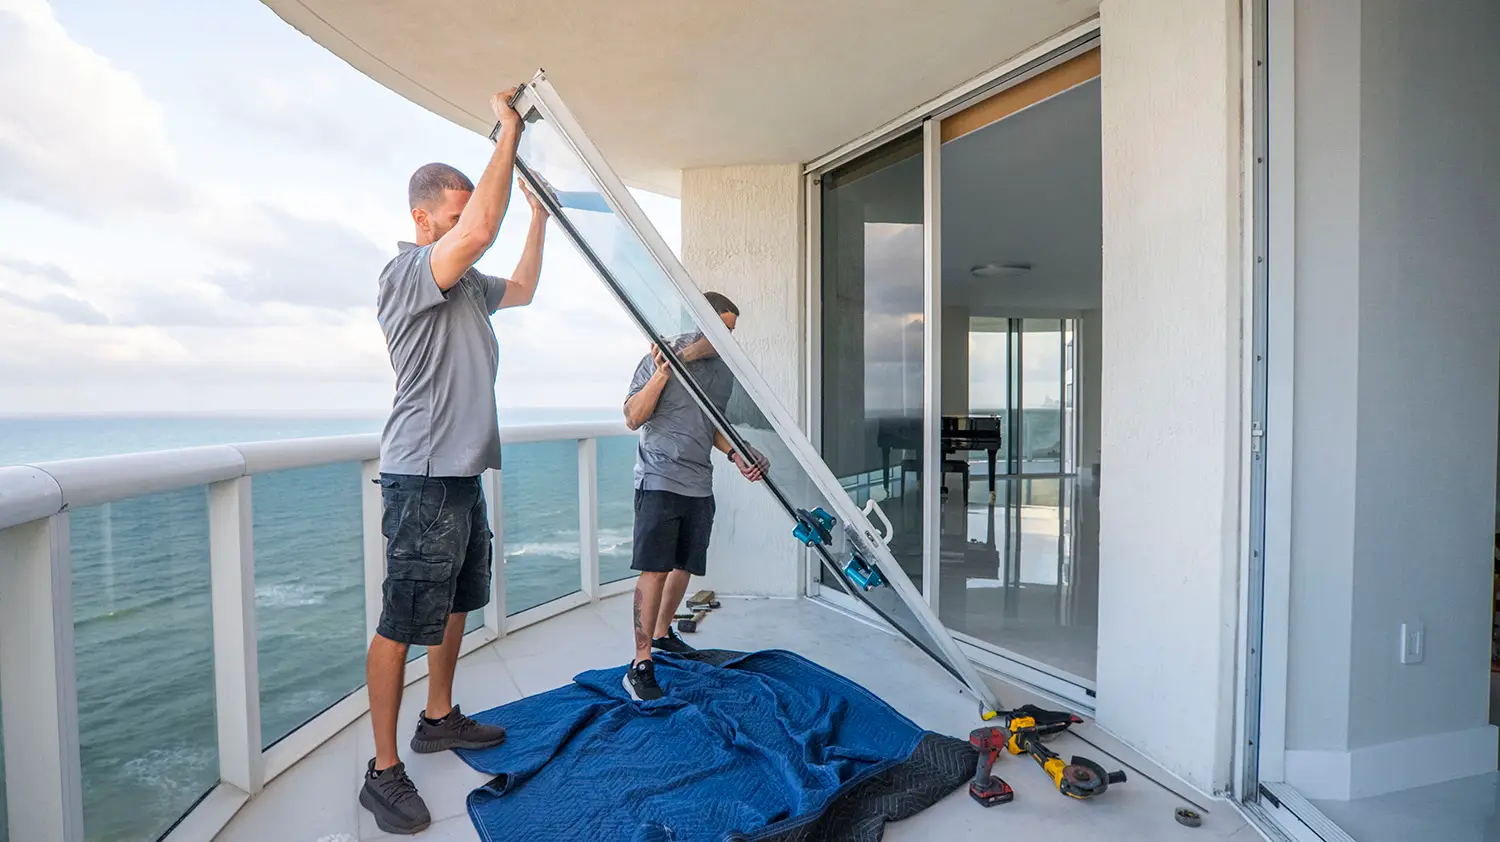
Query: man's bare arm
(752, 465)
(700, 349)
(521, 288)
(459, 249)
(640, 406)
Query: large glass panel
(1020, 241)
(616, 507)
(555, 161)
(872, 331)
(539, 501)
(990, 399)
(309, 592)
(1041, 396)
(144, 644)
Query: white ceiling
(666, 85)
(1027, 190)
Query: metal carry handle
(890, 531)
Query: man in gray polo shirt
(674, 486)
(443, 432)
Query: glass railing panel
(539, 501)
(309, 592)
(616, 507)
(144, 650)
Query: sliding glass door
(871, 330)
(954, 265)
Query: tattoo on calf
(642, 637)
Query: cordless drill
(985, 788)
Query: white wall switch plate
(1413, 643)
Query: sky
(196, 201)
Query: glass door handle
(872, 507)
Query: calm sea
(141, 592)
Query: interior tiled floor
(1466, 810)
(315, 801)
(1020, 573)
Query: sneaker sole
(375, 808)
(435, 746)
(671, 650)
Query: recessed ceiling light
(1000, 270)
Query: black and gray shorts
(671, 532)
(437, 554)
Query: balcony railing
(154, 638)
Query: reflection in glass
(4, 818)
(652, 297)
(539, 502)
(144, 647)
(616, 507)
(872, 332)
(309, 592)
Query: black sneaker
(672, 643)
(393, 799)
(454, 731)
(640, 682)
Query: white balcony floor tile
(316, 798)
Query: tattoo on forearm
(642, 637)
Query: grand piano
(957, 433)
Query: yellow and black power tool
(1030, 725)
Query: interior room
(1021, 311)
(1020, 292)
(1382, 644)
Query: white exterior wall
(1171, 390)
(1397, 368)
(742, 235)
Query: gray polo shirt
(677, 441)
(444, 421)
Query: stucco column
(742, 235)
(1171, 386)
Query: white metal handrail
(28, 492)
(38, 681)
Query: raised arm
(479, 223)
(521, 288)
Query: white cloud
(250, 286)
(60, 306)
(77, 134)
(278, 256)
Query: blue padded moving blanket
(766, 746)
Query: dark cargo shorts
(437, 554)
(671, 532)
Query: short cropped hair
(429, 181)
(721, 303)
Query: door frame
(1258, 776)
(928, 117)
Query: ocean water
(141, 594)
